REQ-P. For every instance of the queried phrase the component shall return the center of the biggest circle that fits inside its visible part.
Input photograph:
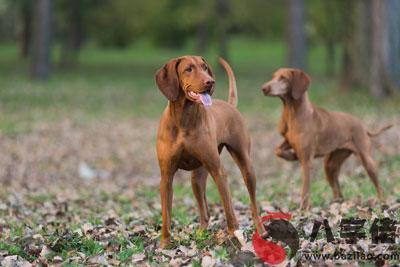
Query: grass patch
(111, 83)
(70, 242)
(15, 249)
(222, 254)
(203, 238)
(129, 247)
(180, 214)
(91, 247)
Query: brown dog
(310, 132)
(192, 133)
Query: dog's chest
(188, 162)
(298, 136)
(291, 135)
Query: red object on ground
(270, 252)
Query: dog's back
(336, 130)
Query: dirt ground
(88, 194)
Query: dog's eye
(205, 67)
(189, 69)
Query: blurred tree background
(360, 38)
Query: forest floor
(80, 178)
(75, 195)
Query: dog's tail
(384, 128)
(232, 99)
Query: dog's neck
(301, 107)
(185, 113)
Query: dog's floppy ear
(209, 70)
(167, 80)
(300, 83)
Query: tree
(332, 25)
(259, 18)
(25, 10)
(73, 31)
(296, 35)
(204, 21)
(385, 69)
(371, 50)
(172, 24)
(41, 39)
(223, 8)
(353, 34)
(393, 43)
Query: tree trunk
(393, 34)
(296, 35)
(347, 68)
(330, 58)
(202, 37)
(357, 49)
(26, 32)
(377, 66)
(223, 10)
(74, 35)
(41, 39)
(385, 48)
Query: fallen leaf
(138, 257)
(207, 261)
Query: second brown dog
(311, 131)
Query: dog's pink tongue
(206, 99)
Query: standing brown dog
(310, 131)
(192, 133)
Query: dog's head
(287, 82)
(188, 76)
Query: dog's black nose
(266, 89)
(209, 83)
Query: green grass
(127, 250)
(16, 249)
(110, 83)
(222, 254)
(202, 238)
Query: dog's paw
(165, 242)
(305, 206)
(204, 224)
(337, 200)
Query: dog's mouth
(203, 97)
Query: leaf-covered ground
(88, 195)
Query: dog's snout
(209, 83)
(266, 88)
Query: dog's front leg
(166, 204)
(286, 151)
(306, 171)
(199, 180)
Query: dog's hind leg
(364, 152)
(332, 165)
(243, 161)
(207, 153)
(372, 171)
